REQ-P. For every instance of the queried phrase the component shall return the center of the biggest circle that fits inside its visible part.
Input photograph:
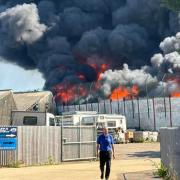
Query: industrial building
(34, 101)
(24, 101)
(7, 104)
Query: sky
(16, 78)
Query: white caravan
(75, 118)
(112, 121)
(26, 118)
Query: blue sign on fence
(8, 138)
(8, 143)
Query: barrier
(170, 149)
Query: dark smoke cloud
(166, 64)
(62, 38)
(20, 28)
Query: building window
(89, 121)
(30, 120)
(100, 125)
(51, 122)
(111, 123)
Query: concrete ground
(133, 162)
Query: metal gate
(78, 143)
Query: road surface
(130, 158)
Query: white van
(26, 118)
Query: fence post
(86, 105)
(62, 140)
(98, 106)
(78, 98)
(91, 107)
(148, 107)
(95, 138)
(118, 107)
(170, 111)
(90, 89)
(139, 113)
(164, 95)
(132, 103)
(165, 106)
(104, 107)
(124, 106)
(147, 96)
(154, 114)
(110, 101)
(79, 138)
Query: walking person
(105, 151)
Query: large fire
(175, 94)
(72, 92)
(69, 93)
(123, 92)
(174, 80)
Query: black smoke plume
(63, 38)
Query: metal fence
(38, 145)
(170, 150)
(78, 142)
(144, 114)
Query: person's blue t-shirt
(105, 142)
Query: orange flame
(103, 68)
(175, 80)
(175, 94)
(123, 92)
(69, 93)
(99, 69)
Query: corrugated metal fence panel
(170, 149)
(146, 114)
(7, 157)
(40, 144)
(79, 142)
(36, 145)
(88, 149)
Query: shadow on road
(147, 154)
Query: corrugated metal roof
(25, 100)
(4, 93)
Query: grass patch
(161, 171)
(15, 164)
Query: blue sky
(16, 78)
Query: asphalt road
(130, 158)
